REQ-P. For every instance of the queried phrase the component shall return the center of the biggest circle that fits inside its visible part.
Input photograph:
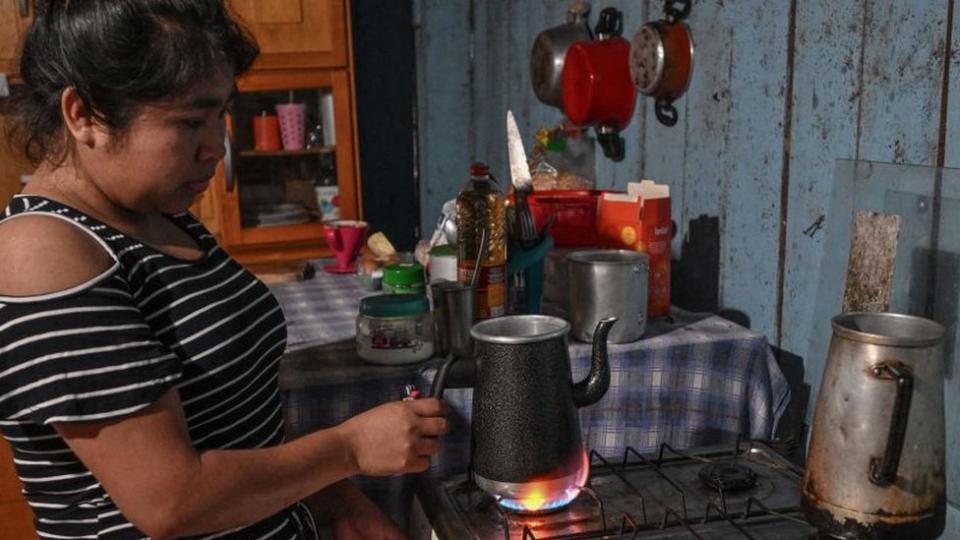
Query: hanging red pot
(597, 87)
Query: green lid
(394, 305)
(403, 274)
(445, 250)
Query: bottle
(481, 206)
(327, 191)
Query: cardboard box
(640, 220)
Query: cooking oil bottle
(482, 213)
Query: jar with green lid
(403, 278)
(394, 329)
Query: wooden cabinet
(266, 203)
(297, 33)
(15, 19)
(270, 205)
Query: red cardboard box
(640, 220)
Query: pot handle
(609, 24)
(676, 14)
(883, 472)
(666, 112)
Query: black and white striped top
(114, 345)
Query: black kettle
(526, 429)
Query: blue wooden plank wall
(780, 91)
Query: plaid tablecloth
(695, 381)
(321, 310)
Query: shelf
(289, 153)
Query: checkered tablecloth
(700, 380)
(320, 310)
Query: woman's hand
(397, 437)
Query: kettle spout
(595, 385)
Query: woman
(138, 362)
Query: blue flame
(515, 505)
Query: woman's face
(169, 152)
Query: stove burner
(728, 477)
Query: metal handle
(610, 24)
(578, 11)
(675, 14)
(883, 472)
(228, 162)
(666, 113)
(24, 8)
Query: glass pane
(926, 280)
(286, 161)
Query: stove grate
(677, 517)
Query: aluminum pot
(608, 283)
(550, 49)
(876, 463)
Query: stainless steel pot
(550, 50)
(608, 283)
(876, 463)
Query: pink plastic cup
(292, 118)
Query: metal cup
(453, 315)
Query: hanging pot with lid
(661, 59)
(550, 49)
(597, 88)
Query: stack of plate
(266, 215)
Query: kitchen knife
(519, 169)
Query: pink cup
(292, 121)
(345, 238)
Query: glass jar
(394, 329)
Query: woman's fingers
(433, 427)
(429, 407)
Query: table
(694, 380)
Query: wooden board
(873, 253)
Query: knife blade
(519, 168)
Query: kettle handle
(883, 471)
(463, 376)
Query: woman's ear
(77, 118)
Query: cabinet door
(297, 33)
(15, 19)
(272, 196)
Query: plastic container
(443, 263)
(574, 215)
(403, 278)
(394, 329)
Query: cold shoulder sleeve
(81, 355)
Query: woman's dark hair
(119, 55)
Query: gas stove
(745, 490)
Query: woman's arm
(160, 483)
